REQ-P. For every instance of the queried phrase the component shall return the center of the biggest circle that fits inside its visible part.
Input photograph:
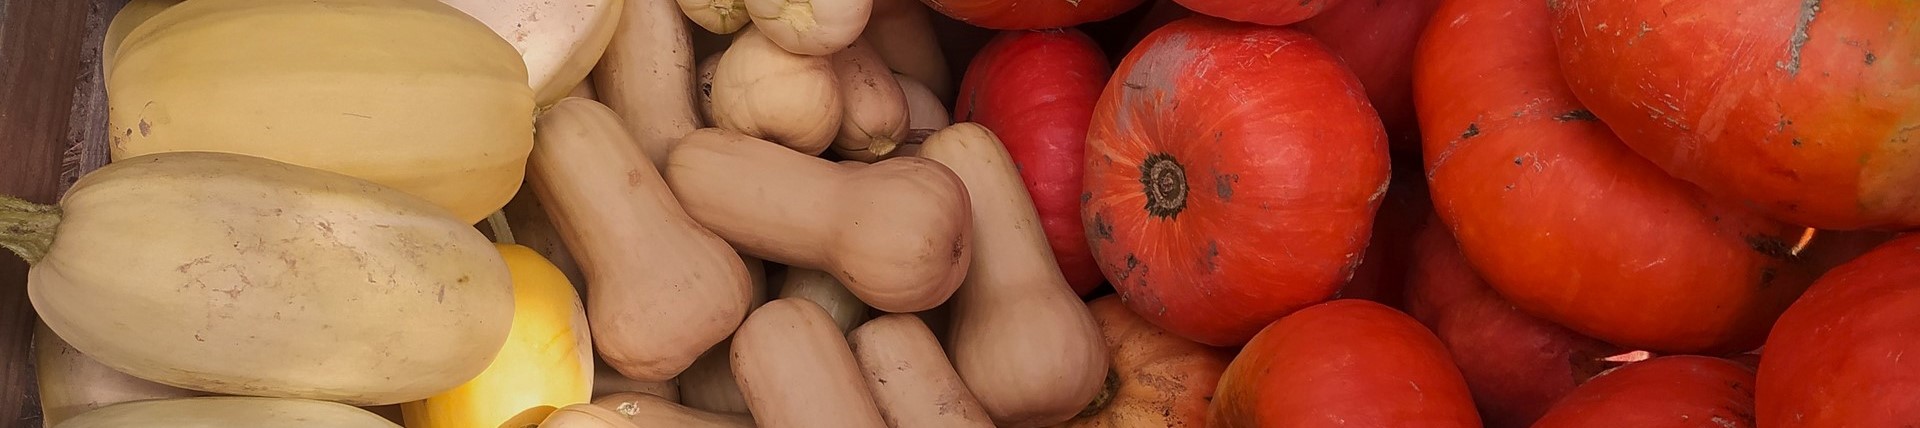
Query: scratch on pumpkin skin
(1809, 9)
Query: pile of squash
(790, 213)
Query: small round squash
(239, 275)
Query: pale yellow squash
(212, 412)
(72, 383)
(559, 39)
(546, 364)
(412, 94)
(240, 275)
(130, 16)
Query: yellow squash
(546, 364)
(412, 94)
(130, 16)
(208, 412)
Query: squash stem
(502, 233)
(1107, 391)
(26, 228)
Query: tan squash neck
(26, 228)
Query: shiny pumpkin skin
(1036, 90)
(411, 94)
(1264, 12)
(1374, 38)
(1836, 357)
(239, 275)
(1808, 110)
(546, 364)
(1681, 391)
(1351, 362)
(1516, 365)
(1565, 221)
(1029, 14)
(1157, 379)
(1232, 175)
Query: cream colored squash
(412, 94)
(130, 16)
(72, 383)
(559, 39)
(239, 275)
(220, 412)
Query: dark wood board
(52, 130)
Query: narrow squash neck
(26, 228)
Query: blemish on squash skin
(1223, 186)
(1101, 228)
(1809, 9)
(145, 128)
(1582, 115)
(1771, 247)
(1473, 130)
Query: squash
(1667, 392)
(1030, 15)
(1375, 39)
(1557, 215)
(912, 381)
(769, 93)
(1404, 211)
(559, 40)
(1215, 217)
(1265, 12)
(717, 16)
(709, 384)
(1346, 362)
(649, 410)
(131, 15)
(1835, 358)
(203, 412)
(71, 383)
(607, 381)
(820, 288)
(810, 27)
(924, 110)
(584, 90)
(897, 233)
(614, 213)
(1036, 91)
(795, 369)
(646, 75)
(703, 86)
(528, 223)
(1021, 338)
(1515, 365)
(411, 94)
(255, 276)
(903, 34)
(547, 362)
(586, 415)
(876, 107)
(1806, 110)
(1156, 378)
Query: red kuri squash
(1232, 175)
(1030, 14)
(1682, 391)
(1036, 90)
(1376, 39)
(1516, 365)
(1346, 362)
(1835, 359)
(1265, 12)
(1566, 222)
(1809, 110)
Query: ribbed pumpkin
(412, 94)
(546, 364)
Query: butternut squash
(412, 94)
(584, 90)
(547, 361)
(897, 233)
(617, 216)
(646, 75)
(136, 12)
(775, 95)
(924, 109)
(646, 410)
(560, 40)
(586, 415)
(820, 288)
(203, 412)
(902, 32)
(1021, 338)
(910, 376)
(254, 277)
(607, 381)
(876, 108)
(796, 370)
(703, 86)
(708, 385)
(72, 383)
(717, 16)
(810, 27)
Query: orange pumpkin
(1156, 378)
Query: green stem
(502, 233)
(26, 228)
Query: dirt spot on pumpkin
(1771, 247)
(1101, 228)
(1582, 115)
(1766, 277)
(1473, 130)
(1809, 9)
(1213, 256)
(1871, 58)
(1223, 186)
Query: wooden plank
(52, 114)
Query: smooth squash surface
(224, 412)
